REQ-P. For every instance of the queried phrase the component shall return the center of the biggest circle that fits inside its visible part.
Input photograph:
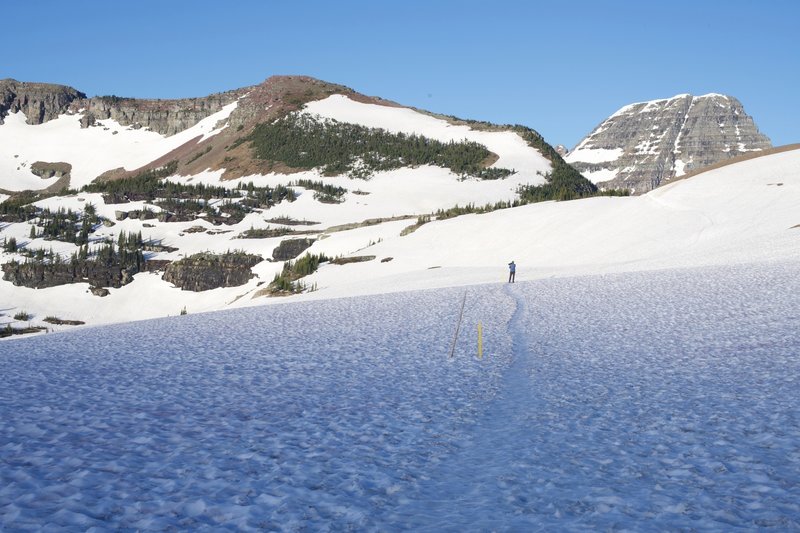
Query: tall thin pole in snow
(458, 325)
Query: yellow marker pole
(480, 340)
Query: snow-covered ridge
(91, 151)
(650, 103)
(514, 153)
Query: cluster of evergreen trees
(327, 194)
(10, 244)
(286, 282)
(188, 200)
(337, 148)
(126, 254)
(149, 185)
(19, 208)
(66, 225)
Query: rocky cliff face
(647, 144)
(44, 101)
(166, 117)
(39, 101)
(202, 272)
(37, 275)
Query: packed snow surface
(662, 400)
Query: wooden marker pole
(480, 340)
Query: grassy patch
(421, 221)
(61, 322)
(9, 330)
(289, 221)
(264, 233)
(354, 259)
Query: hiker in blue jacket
(512, 270)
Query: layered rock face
(39, 101)
(647, 144)
(166, 117)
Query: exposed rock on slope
(39, 276)
(166, 117)
(205, 271)
(646, 144)
(39, 101)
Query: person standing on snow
(512, 270)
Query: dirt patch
(60, 322)
(365, 223)
(354, 259)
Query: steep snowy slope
(512, 151)
(739, 213)
(91, 151)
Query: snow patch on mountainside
(513, 151)
(91, 151)
(734, 214)
(594, 155)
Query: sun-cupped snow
(514, 153)
(91, 151)
(660, 400)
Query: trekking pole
(458, 325)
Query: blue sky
(558, 67)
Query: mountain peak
(645, 144)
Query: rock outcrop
(49, 170)
(39, 101)
(647, 144)
(166, 117)
(205, 271)
(37, 275)
(291, 248)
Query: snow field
(664, 399)
(91, 151)
(245, 419)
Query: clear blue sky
(558, 67)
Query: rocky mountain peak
(646, 144)
(278, 95)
